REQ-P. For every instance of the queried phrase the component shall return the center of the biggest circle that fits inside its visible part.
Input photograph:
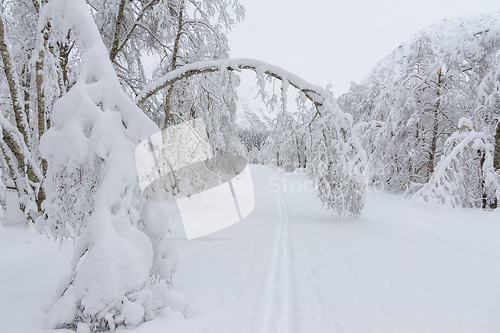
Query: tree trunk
(435, 130)
(22, 166)
(26, 84)
(64, 51)
(118, 28)
(433, 147)
(173, 65)
(496, 159)
(40, 97)
(36, 5)
(13, 86)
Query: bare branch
(129, 34)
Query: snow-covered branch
(316, 94)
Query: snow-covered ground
(292, 267)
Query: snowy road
(292, 267)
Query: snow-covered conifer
(93, 192)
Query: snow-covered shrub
(93, 191)
(464, 176)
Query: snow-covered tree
(43, 65)
(415, 96)
(485, 57)
(21, 168)
(369, 134)
(17, 141)
(93, 192)
(175, 32)
(198, 34)
(465, 176)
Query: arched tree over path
(336, 160)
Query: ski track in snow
(279, 283)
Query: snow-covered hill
(292, 267)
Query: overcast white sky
(337, 41)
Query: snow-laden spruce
(93, 193)
(465, 176)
